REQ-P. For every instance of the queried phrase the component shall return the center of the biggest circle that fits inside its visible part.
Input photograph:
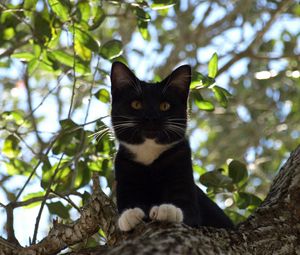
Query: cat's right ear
(121, 77)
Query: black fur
(169, 178)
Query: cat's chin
(150, 134)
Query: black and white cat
(153, 165)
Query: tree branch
(100, 212)
(282, 6)
(274, 228)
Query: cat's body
(153, 165)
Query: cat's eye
(164, 106)
(137, 105)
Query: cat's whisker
(124, 117)
(98, 138)
(175, 123)
(176, 119)
(168, 136)
(99, 132)
(176, 129)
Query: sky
(140, 66)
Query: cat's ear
(180, 78)
(121, 77)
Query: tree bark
(274, 228)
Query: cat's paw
(130, 218)
(166, 212)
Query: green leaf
(16, 116)
(24, 56)
(201, 81)
(68, 124)
(71, 140)
(11, 148)
(33, 195)
(84, 11)
(245, 200)
(43, 29)
(68, 60)
(163, 4)
(143, 29)
(97, 17)
(8, 33)
(111, 49)
(59, 209)
(220, 96)
(29, 4)
(102, 95)
(29, 7)
(197, 80)
(198, 169)
(203, 104)
(95, 165)
(83, 175)
(234, 216)
(61, 8)
(83, 52)
(33, 65)
(237, 171)
(213, 66)
(215, 179)
(142, 15)
(85, 38)
(16, 166)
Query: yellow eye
(137, 105)
(164, 106)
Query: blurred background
(55, 60)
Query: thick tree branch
(100, 212)
(274, 228)
(282, 6)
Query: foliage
(55, 57)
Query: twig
(37, 222)
(100, 211)
(65, 197)
(29, 101)
(35, 168)
(256, 41)
(17, 45)
(10, 225)
(74, 73)
(91, 91)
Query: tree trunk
(274, 228)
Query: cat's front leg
(166, 212)
(130, 218)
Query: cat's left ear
(180, 78)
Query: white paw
(166, 212)
(130, 218)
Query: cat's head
(142, 110)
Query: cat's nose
(151, 119)
(150, 122)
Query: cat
(153, 166)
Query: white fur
(130, 218)
(147, 151)
(166, 212)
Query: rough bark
(274, 228)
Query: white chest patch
(148, 151)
